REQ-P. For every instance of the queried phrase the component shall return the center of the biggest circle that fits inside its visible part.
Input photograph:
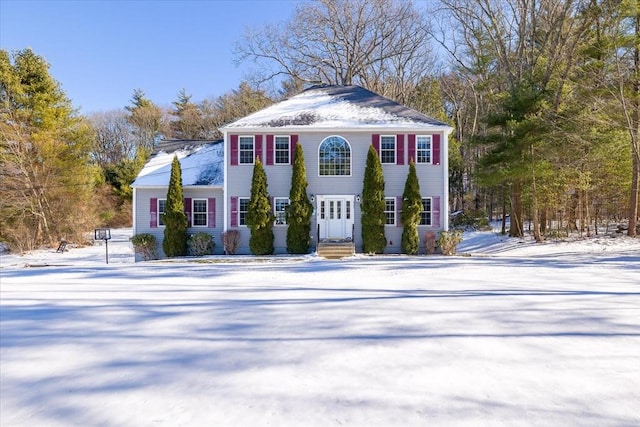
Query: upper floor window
(388, 149)
(199, 212)
(423, 149)
(281, 150)
(280, 205)
(390, 210)
(246, 150)
(334, 157)
(425, 215)
(162, 208)
(243, 207)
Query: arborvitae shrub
(372, 206)
(411, 209)
(260, 217)
(175, 220)
(300, 208)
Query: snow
(510, 333)
(200, 165)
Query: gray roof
(337, 107)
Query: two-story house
(335, 126)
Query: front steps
(336, 249)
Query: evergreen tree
(411, 209)
(260, 217)
(300, 209)
(46, 177)
(373, 216)
(175, 220)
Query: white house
(335, 126)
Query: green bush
(200, 244)
(145, 245)
(448, 241)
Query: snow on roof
(337, 106)
(201, 163)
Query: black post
(106, 248)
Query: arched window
(334, 157)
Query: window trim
(426, 212)
(392, 211)
(429, 150)
(387, 150)
(241, 222)
(240, 150)
(284, 212)
(275, 149)
(161, 212)
(348, 145)
(194, 213)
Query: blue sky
(100, 51)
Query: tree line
(544, 97)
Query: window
(162, 208)
(281, 150)
(423, 149)
(425, 215)
(199, 213)
(280, 205)
(388, 149)
(243, 207)
(334, 157)
(245, 151)
(390, 210)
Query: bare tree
(382, 45)
(114, 140)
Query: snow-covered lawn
(516, 334)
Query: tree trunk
(515, 229)
(534, 199)
(633, 202)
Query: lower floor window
(162, 208)
(425, 215)
(280, 205)
(243, 207)
(199, 212)
(390, 210)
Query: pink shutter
(234, 211)
(292, 147)
(211, 212)
(436, 149)
(153, 212)
(269, 150)
(258, 147)
(399, 211)
(375, 141)
(436, 211)
(187, 210)
(400, 149)
(234, 150)
(411, 142)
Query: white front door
(335, 216)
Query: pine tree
(411, 209)
(300, 209)
(175, 220)
(260, 217)
(373, 204)
(46, 177)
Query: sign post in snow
(103, 234)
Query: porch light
(358, 198)
(312, 198)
